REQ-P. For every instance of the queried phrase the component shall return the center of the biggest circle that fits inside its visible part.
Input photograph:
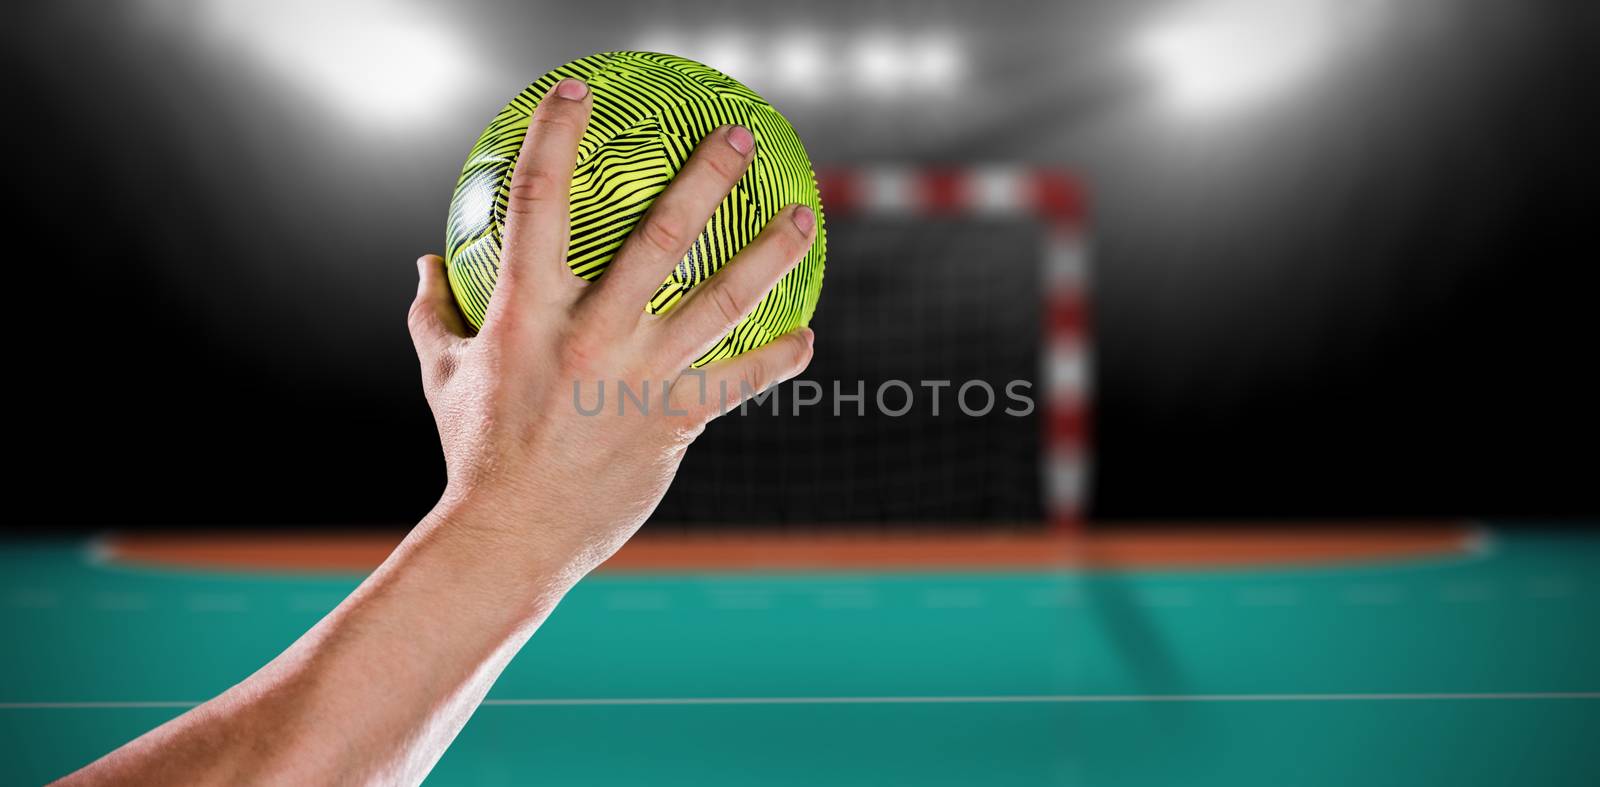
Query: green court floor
(1482, 669)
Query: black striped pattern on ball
(650, 110)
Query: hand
(525, 461)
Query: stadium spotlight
(1223, 54)
(729, 51)
(804, 63)
(381, 61)
(937, 62)
(799, 63)
(879, 62)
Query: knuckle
(683, 431)
(799, 350)
(726, 165)
(725, 303)
(529, 189)
(679, 430)
(504, 325)
(661, 230)
(755, 376)
(578, 355)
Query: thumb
(434, 320)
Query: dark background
(1368, 291)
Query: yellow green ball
(650, 111)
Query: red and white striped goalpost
(1055, 199)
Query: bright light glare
(936, 62)
(381, 61)
(1224, 53)
(799, 63)
(805, 64)
(730, 54)
(878, 63)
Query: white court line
(1059, 699)
(1055, 699)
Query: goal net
(950, 383)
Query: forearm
(379, 688)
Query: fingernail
(809, 335)
(572, 89)
(741, 139)
(804, 219)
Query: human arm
(538, 492)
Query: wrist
(480, 533)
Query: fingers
(707, 393)
(676, 219)
(713, 308)
(538, 215)
(435, 321)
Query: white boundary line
(1049, 699)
